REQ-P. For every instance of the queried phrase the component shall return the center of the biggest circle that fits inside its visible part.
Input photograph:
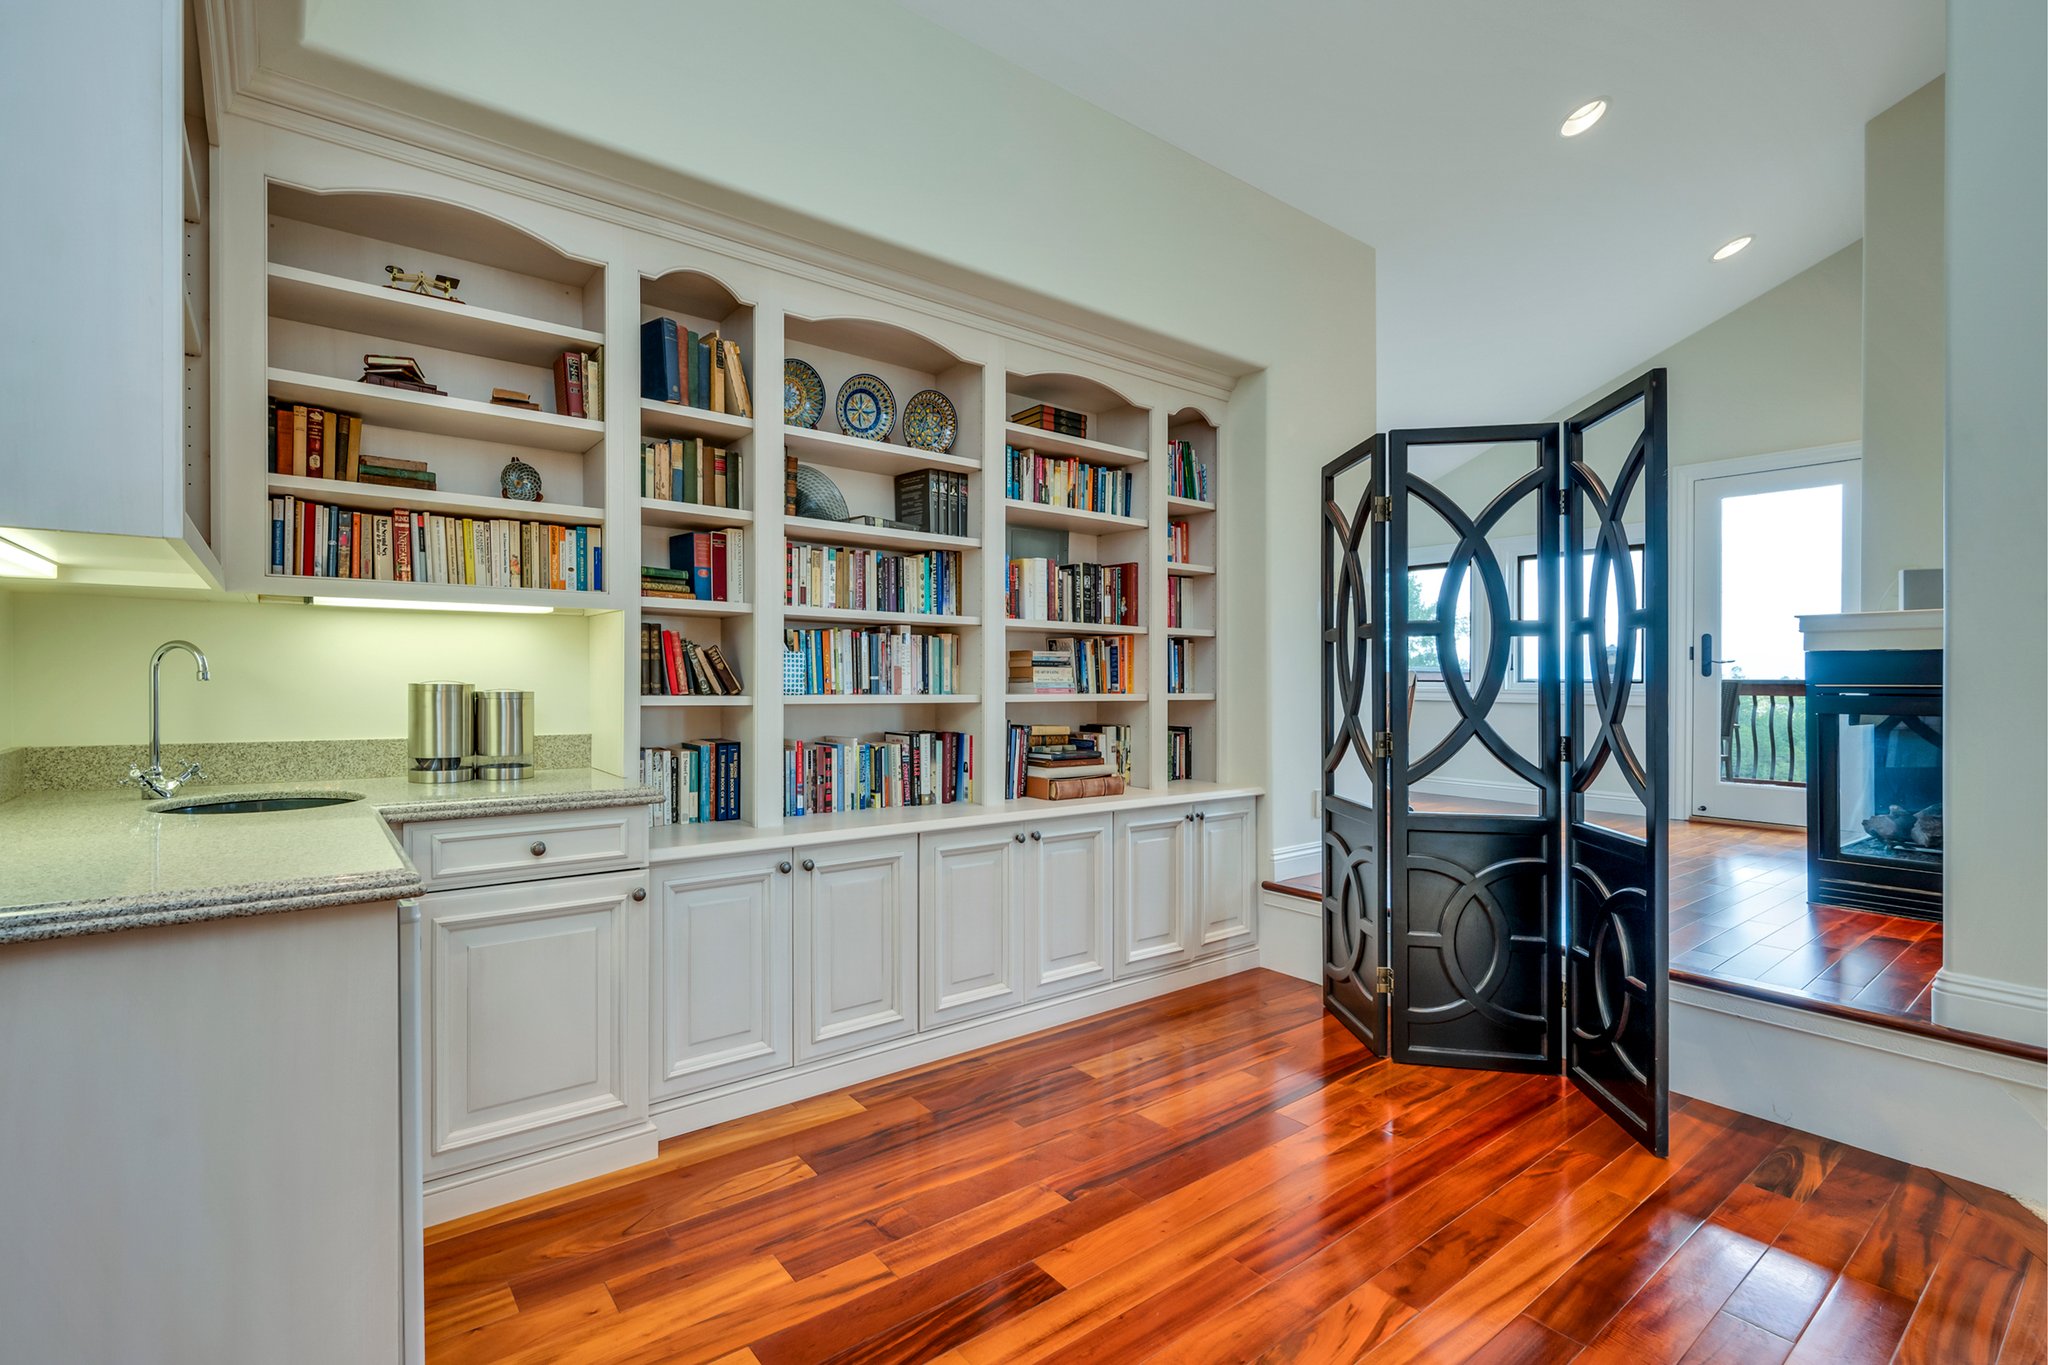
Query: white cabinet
(971, 922)
(1224, 851)
(1153, 921)
(722, 947)
(1067, 899)
(535, 1024)
(856, 945)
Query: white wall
(1903, 330)
(1995, 785)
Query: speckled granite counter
(93, 862)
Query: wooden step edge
(1748, 990)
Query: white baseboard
(1296, 860)
(1291, 936)
(1975, 1114)
(688, 1113)
(467, 1192)
(1982, 1004)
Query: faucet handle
(191, 774)
(134, 778)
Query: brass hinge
(1380, 508)
(1383, 980)
(1383, 744)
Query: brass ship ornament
(420, 282)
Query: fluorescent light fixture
(18, 561)
(1583, 117)
(502, 608)
(1729, 250)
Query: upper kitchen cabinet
(105, 393)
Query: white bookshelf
(324, 300)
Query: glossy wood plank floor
(1225, 1175)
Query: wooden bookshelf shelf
(1180, 570)
(697, 702)
(1071, 698)
(1073, 627)
(453, 596)
(436, 415)
(840, 617)
(1189, 633)
(1172, 697)
(864, 699)
(1052, 443)
(1188, 506)
(373, 310)
(686, 606)
(660, 512)
(813, 531)
(673, 419)
(838, 451)
(371, 497)
(1068, 518)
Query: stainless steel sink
(251, 805)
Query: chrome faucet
(152, 779)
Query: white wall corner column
(1995, 786)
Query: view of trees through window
(1425, 591)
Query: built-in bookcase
(1192, 549)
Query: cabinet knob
(1201, 815)
(639, 893)
(1190, 816)
(1020, 836)
(810, 866)
(1035, 836)
(782, 866)
(539, 847)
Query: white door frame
(1684, 484)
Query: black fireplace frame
(1839, 682)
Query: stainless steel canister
(504, 734)
(440, 723)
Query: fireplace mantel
(1873, 630)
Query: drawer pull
(540, 848)
(810, 865)
(639, 893)
(782, 866)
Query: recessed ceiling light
(1729, 250)
(1583, 117)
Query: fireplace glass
(1873, 793)
(1888, 777)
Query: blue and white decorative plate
(929, 422)
(866, 408)
(803, 394)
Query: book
(738, 401)
(512, 398)
(400, 366)
(393, 382)
(1072, 788)
(660, 374)
(569, 384)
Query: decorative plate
(866, 408)
(803, 394)
(929, 422)
(519, 481)
(817, 496)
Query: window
(1527, 594)
(1425, 588)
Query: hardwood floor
(1225, 1175)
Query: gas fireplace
(1873, 803)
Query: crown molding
(248, 90)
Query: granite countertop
(94, 862)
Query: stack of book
(687, 470)
(579, 385)
(316, 540)
(397, 372)
(1078, 665)
(1180, 542)
(1180, 753)
(1046, 417)
(1086, 594)
(1118, 744)
(1179, 665)
(703, 566)
(318, 443)
(1061, 481)
(700, 370)
(1187, 475)
(851, 579)
(1062, 763)
(896, 768)
(700, 782)
(842, 662)
(673, 665)
(929, 500)
(514, 398)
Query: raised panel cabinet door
(1154, 925)
(724, 957)
(856, 945)
(970, 923)
(1071, 938)
(1226, 906)
(531, 1035)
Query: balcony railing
(1763, 731)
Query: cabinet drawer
(498, 849)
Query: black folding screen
(1489, 900)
